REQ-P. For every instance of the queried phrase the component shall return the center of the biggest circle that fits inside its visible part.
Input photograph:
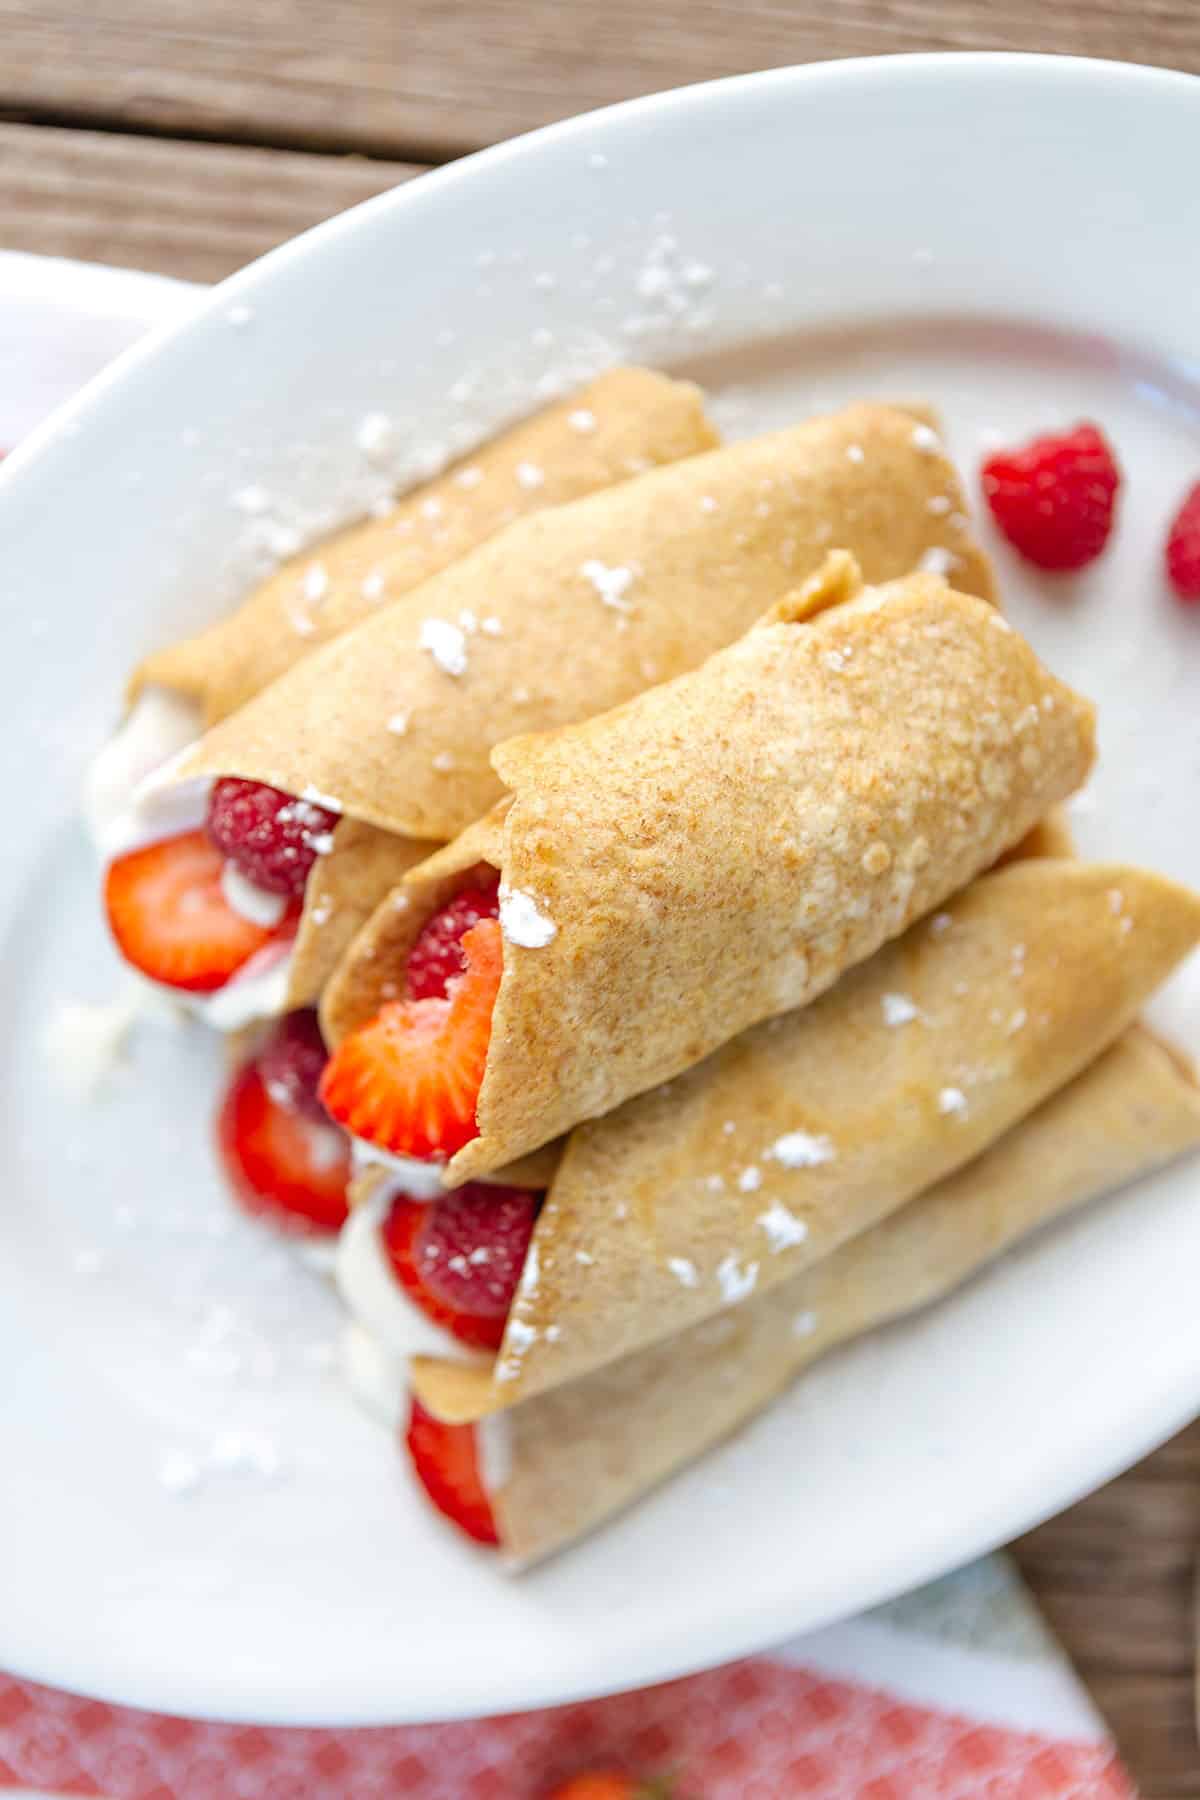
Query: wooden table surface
(188, 137)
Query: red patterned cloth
(758, 1730)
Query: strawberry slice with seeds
(170, 918)
(459, 1258)
(446, 1461)
(409, 1080)
(284, 1160)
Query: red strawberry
(409, 1080)
(436, 958)
(460, 1257)
(1183, 549)
(282, 1157)
(270, 837)
(446, 1460)
(171, 919)
(609, 1784)
(1055, 498)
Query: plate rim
(741, 1635)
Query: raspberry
(435, 959)
(270, 837)
(291, 1062)
(460, 1257)
(1183, 549)
(1055, 499)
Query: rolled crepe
(627, 421)
(807, 1131)
(345, 886)
(582, 1453)
(577, 608)
(721, 848)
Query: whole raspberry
(472, 1246)
(435, 958)
(270, 837)
(1183, 549)
(1055, 499)
(291, 1061)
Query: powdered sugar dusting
(612, 584)
(952, 1102)
(522, 922)
(802, 1150)
(898, 1009)
(784, 1230)
(736, 1283)
(519, 1337)
(684, 1271)
(446, 643)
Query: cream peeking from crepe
(571, 1459)
(806, 1131)
(713, 853)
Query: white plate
(1006, 236)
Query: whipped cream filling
(131, 799)
(376, 1376)
(159, 726)
(374, 1297)
(418, 1180)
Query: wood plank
(1114, 1576)
(194, 210)
(426, 80)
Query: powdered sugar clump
(898, 1009)
(374, 435)
(446, 643)
(750, 1179)
(735, 1282)
(683, 1270)
(925, 438)
(612, 584)
(802, 1150)
(522, 922)
(529, 476)
(937, 561)
(783, 1229)
(953, 1103)
(582, 420)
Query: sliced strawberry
(409, 1080)
(171, 920)
(459, 1258)
(282, 1164)
(446, 1460)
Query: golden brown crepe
(721, 848)
(806, 1131)
(625, 422)
(585, 1451)
(577, 608)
